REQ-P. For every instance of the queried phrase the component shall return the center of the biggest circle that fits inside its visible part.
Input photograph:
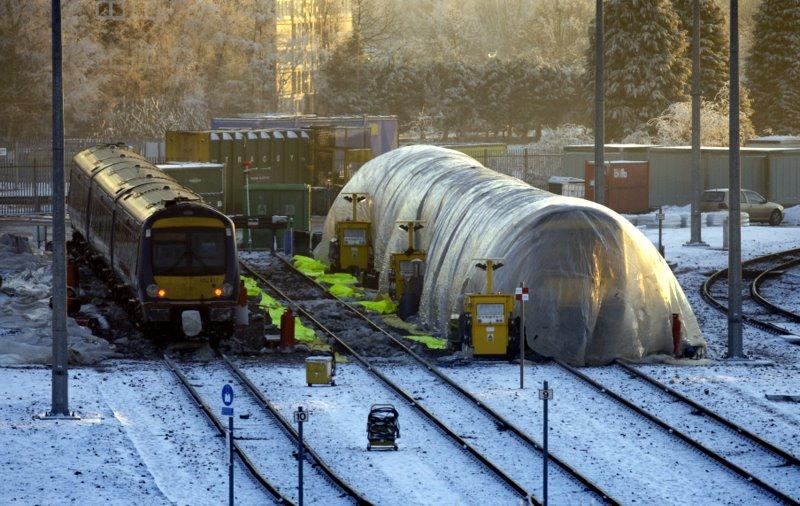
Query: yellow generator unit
(406, 264)
(487, 323)
(352, 247)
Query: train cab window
(187, 252)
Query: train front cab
(189, 263)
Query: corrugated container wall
(626, 185)
(383, 130)
(204, 178)
(784, 177)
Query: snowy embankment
(25, 315)
(140, 440)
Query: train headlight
(152, 290)
(227, 289)
(162, 293)
(218, 292)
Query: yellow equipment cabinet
(319, 371)
(354, 245)
(488, 316)
(352, 250)
(406, 264)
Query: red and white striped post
(521, 294)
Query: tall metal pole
(544, 448)
(300, 458)
(697, 183)
(734, 188)
(522, 337)
(60, 404)
(599, 108)
(230, 461)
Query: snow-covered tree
(645, 65)
(25, 60)
(674, 126)
(772, 67)
(714, 48)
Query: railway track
(265, 431)
(757, 310)
(505, 434)
(775, 455)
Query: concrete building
(305, 30)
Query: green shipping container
(278, 169)
(292, 200)
(304, 156)
(235, 172)
(204, 178)
(292, 174)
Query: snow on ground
(427, 469)
(791, 215)
(142, 440)
(25, 315)
(139, 440)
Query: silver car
(759, 208)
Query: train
(168, 257)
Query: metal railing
(534, 167)
(25, 189)
(26, 170)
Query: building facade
(305, 31)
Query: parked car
(759, 208)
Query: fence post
(37, 207)
(525, 157)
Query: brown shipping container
(626, 183)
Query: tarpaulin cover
(599, 289)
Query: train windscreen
(188, 252)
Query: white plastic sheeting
(599, 290)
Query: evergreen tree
(714, 49)
(772, 67)
(645, 65)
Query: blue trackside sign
(227, 400)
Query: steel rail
(498, 419)
(251, 468)
(482, 459)
(705, 292)
(788, 457)
(292, 432)
(755, 290)
(743, 473)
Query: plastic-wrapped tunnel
(599, 289)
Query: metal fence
(26, 170)
(25, 189)
(534, 166)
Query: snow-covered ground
(142, 440)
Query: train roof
(137, 185)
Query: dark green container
(214, 149)
(278, 157)
(290, 150)
(236, 174)
(292, 200)
(204, 178)
(225, 158)
(304, 156)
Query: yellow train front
(168, 256)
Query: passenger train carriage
(164, 251)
